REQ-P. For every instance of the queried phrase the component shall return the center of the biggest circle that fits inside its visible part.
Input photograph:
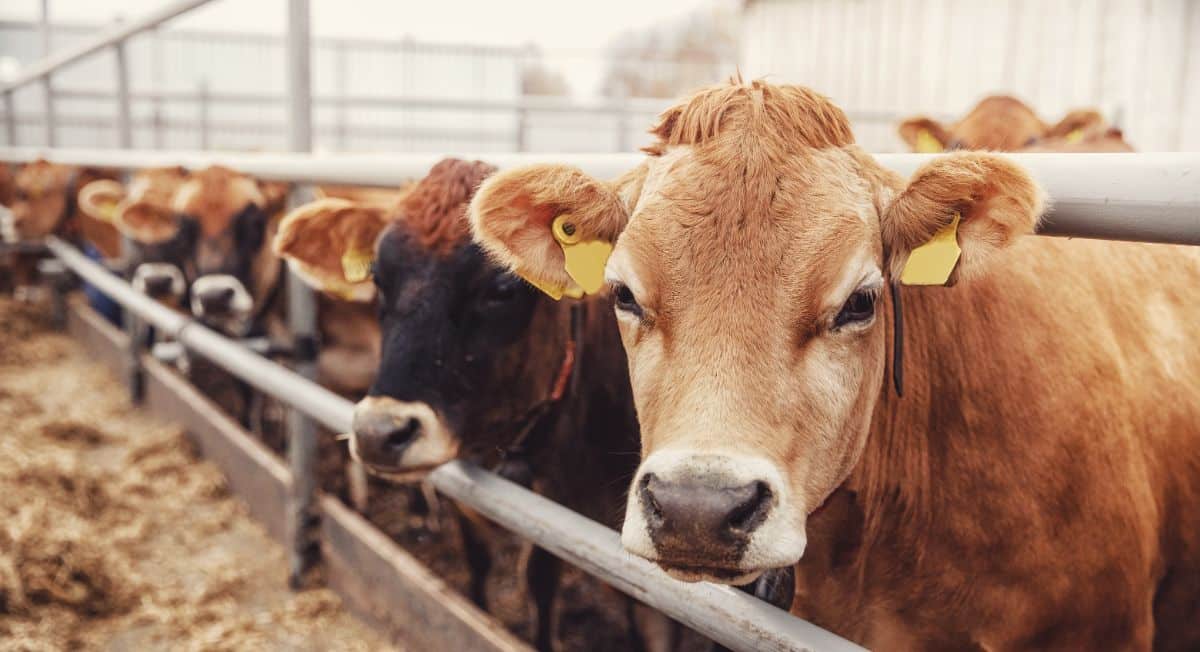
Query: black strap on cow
(530, 429)
(897, 341)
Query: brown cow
(44, 204)
(142, 212)
(1038, 484)
(1006, 124)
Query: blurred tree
(674, 58)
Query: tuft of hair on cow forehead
(786, 116)
(435, 210)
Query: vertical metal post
(302, 312)
(202, 102)
(47, 85)
(522, 126)
(341, 74)
(10, 119)
(124, 119)
(623, 122)
(156, 83)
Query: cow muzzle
(718, 518)
(222, 300)
(397, 438)
(160, 281)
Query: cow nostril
(225, 295)
(750, 513)
(653, 509)
(401, 437)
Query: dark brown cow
(476, 363)
(1006, 124)
(1037, 486)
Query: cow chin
(722, 518)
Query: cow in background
(43, 204)
(155, 262)
(1005, 124)
(476, 364)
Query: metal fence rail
(728, 616)
(1141, 197)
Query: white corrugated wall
(1136, 60)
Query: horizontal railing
(1141, 197)
(728, 616)
(111, 37)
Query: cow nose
(382, 438)
(216, 301)
(158, 285)
(693, 518)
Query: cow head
(752, 253)
(41, 201)
(142, 212)
(469, 351)
(1000, 123)
(231, 271)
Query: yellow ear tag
(1075, 136)
(927, 144)
(932, 262)
(108, 211)
(585, 259)
(356, 265)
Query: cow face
(40, 203)
(233, 269)
(142, 212)
(1005, 124)
(469, 350)
(752, 250)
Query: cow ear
(924, 135)
(553, 225)
(1079, 125)
(956, 211)
(99, 200)
(330, 244)
(146, 222)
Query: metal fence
(1154, 197)
(438, 97)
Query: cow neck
(532, 428)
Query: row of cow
(1033, 484)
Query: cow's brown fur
(1005, 123)
(435, 207)
(1038, 484)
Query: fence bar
(10, 119)
(124, 125)
(202, 107)
(302, 306)
(1152, 197)
(47, 83)
(45, 67)
(721, 613)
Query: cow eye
(625, 300)
(860, 307)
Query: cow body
(1035, 486)
(1004, 123)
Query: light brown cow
(1006, 124)
(1038, 484)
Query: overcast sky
(552, 24)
